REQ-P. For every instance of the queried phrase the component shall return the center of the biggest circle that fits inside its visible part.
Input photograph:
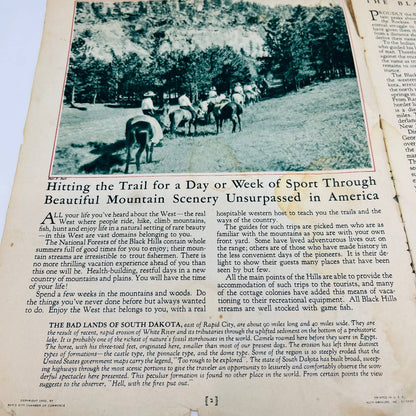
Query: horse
(144, 131)
(181, 116)
(227, 111)
(205, 108)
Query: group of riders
(147, 129)
(241, 94)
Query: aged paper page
(254, 261)
(388, 33)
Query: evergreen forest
(121, 50)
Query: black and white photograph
(209, 86)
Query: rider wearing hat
(238, 89)
(147, 104)
(212, 93)
(185, 103)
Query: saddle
(157, 132)
(189, 113)
(219, 106)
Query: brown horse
(229, 111)
(140, 131)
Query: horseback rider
(238, 95)
(148, 109)
(185, 104)
(147, 104)
(212, 95)
(248, 89)
(238, 89)
(255, 88)
(249, 93)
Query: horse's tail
(128, 133)
(163, 117)
(210, 107)
(129, 142)
(172, 122)
(239, 109)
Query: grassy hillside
(319, 128)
